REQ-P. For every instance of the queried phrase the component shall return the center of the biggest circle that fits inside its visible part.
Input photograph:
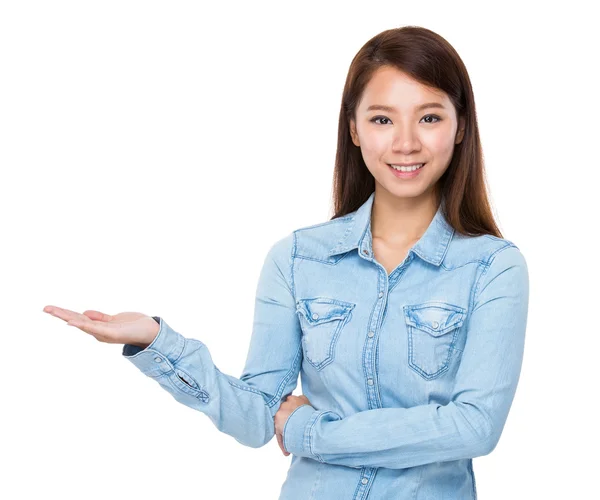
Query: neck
(402, 221)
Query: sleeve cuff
(296, 431)
(166, 346)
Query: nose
(405, 140)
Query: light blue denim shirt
(409, 374)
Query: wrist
(155, 331)
(146, 342)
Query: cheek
(440, 144)
(373, 147)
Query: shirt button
(370, 381)
(371, 334)
(364, 480)
(380, 294)
(435, 325)
(157, 359)
(366, 252)
(315, 316)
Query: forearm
(184, 368)
(242, 407)
(394, 438)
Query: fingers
(64, 314)
(96, 328)
(301, 398)
(280, 442)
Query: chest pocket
(432, 329)
(322, 320)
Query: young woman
(404, 314)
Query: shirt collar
(431, 247)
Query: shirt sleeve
(470, 424)
(241, 407)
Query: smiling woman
(407, 142)
(405, 313)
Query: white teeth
(407, 169)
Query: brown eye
(432, 116)
(374, 120)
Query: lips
(399, 165)
(406, 175)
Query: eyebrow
(391, 109)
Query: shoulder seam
(487, 264)
(330, 221)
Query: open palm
(123, 328)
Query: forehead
(392, 87)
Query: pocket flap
(322, 309)
(436, 318)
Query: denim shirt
(410, 374)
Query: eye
(375, 118)
(433, 116)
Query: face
(403, 132)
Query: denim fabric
(409, 374)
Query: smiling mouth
(412, 168)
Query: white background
(151, 153)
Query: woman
(405, 314)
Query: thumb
(97, 315)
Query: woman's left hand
(286, 408)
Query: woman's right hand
(124, 328)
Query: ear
(353, 133)
(460, 134)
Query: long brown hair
(431, 60)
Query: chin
(408, 191)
